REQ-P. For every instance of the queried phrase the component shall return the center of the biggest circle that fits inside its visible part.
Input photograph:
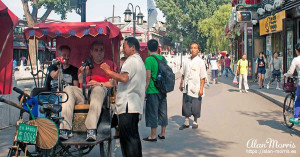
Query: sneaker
(91, 135)
(241, 91)
(294, 120)
(246, 90)
(64, 134)
(278, 88)
(268, 87)
(195, 125)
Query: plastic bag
(235, 80)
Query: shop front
(272, 29)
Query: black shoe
(64, 134)
(183, 127)
(161, 137)
(91, 135)
(149, 140)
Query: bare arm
(148, 77)
(202, 81)
(76, 83)
(181, 81)
(54, 74)
(123, 77)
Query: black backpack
(165, 79)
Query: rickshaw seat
(82, 107)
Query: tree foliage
(213, 28)
(182, 18)
(31, 13)
(58, 6)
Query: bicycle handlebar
(18, 90)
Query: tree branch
(30, 20)
(47, 13)
(34, 10)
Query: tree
(213, 29)
(58, 6)
(182, 18)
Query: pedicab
(43, 132)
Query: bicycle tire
(288, 109)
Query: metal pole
(134, 20)
(83, 10)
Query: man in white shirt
(130, 97)
(192, 84)
(214, 68)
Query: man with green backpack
(160, 80)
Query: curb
(278, 103)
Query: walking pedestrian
(192, 85)
(130, 97)
(261, 69)
(276, 64)
(214, 68)
(221, 63)
(227, 63)
(242, 70)
(295, 66)
(156, 104)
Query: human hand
(105, 67)
(93, 83)
(82, 68)
(200, 93)
(180, 87)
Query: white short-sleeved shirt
(193, 70)
(214, 63)
(132, 92)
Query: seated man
(94, 79)
(70, 76)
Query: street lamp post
(181, 40)
(83, 10)
(139, 17)
(80, 7)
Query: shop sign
(271, 24)
(244, 16)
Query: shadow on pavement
(188, 142)
(233, 90)
(269, 119)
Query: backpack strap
(157, 60)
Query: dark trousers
(129, 135)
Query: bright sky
(97, 10)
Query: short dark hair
(213, 54)
(194, 43)
(227, 55)
(152, 45)
(63, 47)
(132, 41)
(97, 42)
(297, 47)
(261, 53)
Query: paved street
(229, 119)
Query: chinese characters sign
(26, 133)
(271, 24)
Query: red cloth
(8, 21)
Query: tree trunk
(31, 45)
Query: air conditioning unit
(278, 3)
(269, 7)
(261, 11)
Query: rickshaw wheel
(105, 148)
